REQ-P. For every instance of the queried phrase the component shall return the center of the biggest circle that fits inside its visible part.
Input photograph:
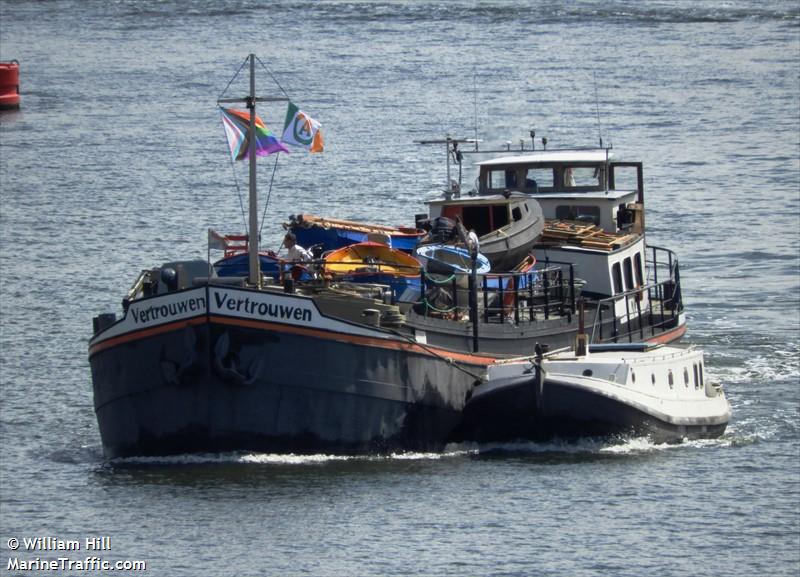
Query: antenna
(597, 109)
(475, 101)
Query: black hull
(518, 411)
(218, 387)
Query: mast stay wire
(233, 165)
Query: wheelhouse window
(616, 275)
(588, 214)
(582, 177)
(539, 179)
(637, 267)
(626, 266)
(502, 179)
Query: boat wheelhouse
(594, 207)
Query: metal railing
(660, 313)
(521, 297)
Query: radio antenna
(597, 109)
(475, 102)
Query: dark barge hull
(517, 411)
(217, 383)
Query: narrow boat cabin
(481, 214)
(572, 185)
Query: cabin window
(700, 366)
(637, 268)
(624, 178)
(616, 274)
(484, 219)
(502, 179)
(516, 213)
(499, 216)
(587, 214)
(537, 179)
(670, 379)
(626, 266)
(477, 218)
(582, 176)
(686, 377)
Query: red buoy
(9, 85)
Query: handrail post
(600, 306)
(655, 266)
(546, 285)
(639, 316)
(628, 317)
(572, 286)
(473, 301)
(485, 301)
(500, 293)
(531, 314)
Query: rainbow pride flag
(237, 126)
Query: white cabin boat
(593, 208)
(659, 391)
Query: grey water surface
(117, 162)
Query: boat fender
(170, 278)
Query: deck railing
(661, 311)
(552, 290)
(521, 297)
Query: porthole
(633, 377)
(588, 373)
(653, 378)
(670, 379)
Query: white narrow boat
(659, 391)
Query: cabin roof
(484, 199)
(543, 156)
(612, 194)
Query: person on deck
(294, 251)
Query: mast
(252, 233)
(252, 244)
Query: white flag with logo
(302, 130)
